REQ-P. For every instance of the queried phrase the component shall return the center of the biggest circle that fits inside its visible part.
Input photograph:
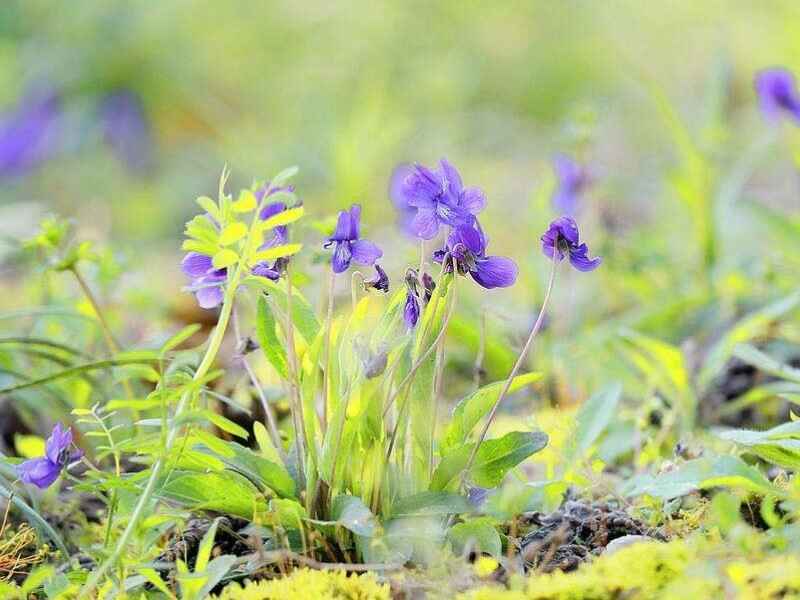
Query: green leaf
(267, 336)
(351, 513)
(226, 424)
(478, 534)
(208, 205)
(284, 176)
(750, 327)
(469, 411)
(232, 233)
(287, 513)
(265, 444)
(304, 316)
(206, 248)
(702, 473)
(180, 337)
(431, 503)
(283, 218)
(262, 472)
(494, 459)
(595, 415)
(225, 492)
(224, 258)
(766, 363)
(245, 203)
(275, 252)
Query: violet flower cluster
(208, 283)
(43, 471)
(429, 200)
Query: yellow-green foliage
(661, 571)
(305, 583)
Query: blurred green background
(146, 101)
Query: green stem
(111, 342)
(213, 348)
(514, 370)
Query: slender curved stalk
(327, 362)
(514, 370)
(111, 342)
(294, 383)
(272, 426)
(155, 471)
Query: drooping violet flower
(380, 282)
(573, 179)
(429, 285)
(207, 282)
(439, 198)
(777, 94)
(405, 212)
(562, 239)
(126, 129)
(347, 243)
(411, 310)
(467, 245)
(43, 471)
(29, 134)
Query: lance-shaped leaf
(494, 459)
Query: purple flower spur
(562, 239)
(43, 471)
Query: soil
(578, 530)
(184, 544)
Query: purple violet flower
(126, 128)
(347, 242)
(439, 198)
(43, 471)
(562, 239)
(467, 245)
(28, 134)
(206, 281)
(411, 310)
(573, 179)
(380, 282)
(777, 94)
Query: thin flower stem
(353, 289)
(269, 416)
(477, 369)
(294, 375)
(111, 342)
(327, 363)
(437, 393)
(514, 370)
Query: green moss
(305, 583)
(662, 571)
